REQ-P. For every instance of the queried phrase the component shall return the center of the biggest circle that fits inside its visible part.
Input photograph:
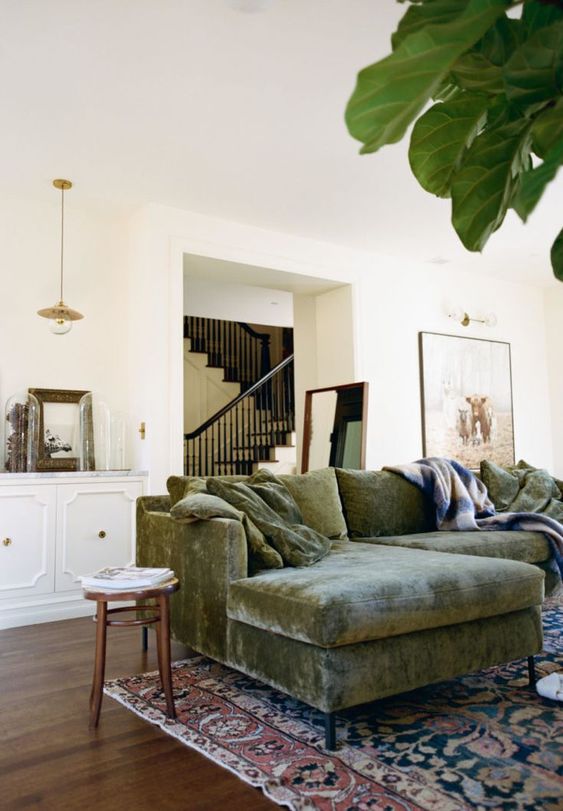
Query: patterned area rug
(484, 741)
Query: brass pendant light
(60, 316)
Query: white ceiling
(193, 104)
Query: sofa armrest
(205, 556)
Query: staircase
(256, 428)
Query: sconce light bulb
(60, 326)
(457, 314)
(491, 320)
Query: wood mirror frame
(349, 406)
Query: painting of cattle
(466, 393)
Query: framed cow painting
(466, 398)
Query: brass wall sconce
(462, 317)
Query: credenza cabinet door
(95, 528)
(27, 541)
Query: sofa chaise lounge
(393, 606)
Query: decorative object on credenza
(21, 433)
(462, 317)
(334, 432)
(59, 435)
(102, 435)
(466, 394)
(60, 315)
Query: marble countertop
(71, 474)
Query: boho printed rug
(484, 741)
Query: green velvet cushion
(528, 547)
(203, 506)
(361, 592)
(522, 489)
(298, 545)
(276, 495)
(316, 494)
(379, 502)
(180, 486)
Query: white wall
(129, 347)
(392, 305)
(396, 304)
(124, 347)
(553, 303)
(94, 354)
(335, 315)
(237, 302)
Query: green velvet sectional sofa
(393, 606)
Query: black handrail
(229, 406)
(261, 336)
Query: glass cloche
(102, 435)
(21, 432)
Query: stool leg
(99, 663)
(163, 643)
(145, 637)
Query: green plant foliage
(534, 181)
(391, 93)
(557, 256)
(440, 138)
(485, 184)
(547, 130)
(534, 72)
(498, 83)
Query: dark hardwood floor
(49, 759)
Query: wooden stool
(159, 613)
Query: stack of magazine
(126, 577)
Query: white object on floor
(551, 686)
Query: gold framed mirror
(334, 432)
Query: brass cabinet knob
(102, 534)
(7, 542)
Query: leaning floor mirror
(334, 433)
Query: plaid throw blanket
(462, 502)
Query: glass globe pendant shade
(60, 326)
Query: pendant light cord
(62, 236)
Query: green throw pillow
(381, 503)
(521, 488)
(276, 495)
(316, 495)
(197, 506)
(180, 486)
(298, 545)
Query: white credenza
(55, 527)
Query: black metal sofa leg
(531, 671)
(330, 730)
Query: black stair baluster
(239, 357)
(230, 443)
(221, 342)
(212, 458)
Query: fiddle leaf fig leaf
(480, 69)
(485, 185)
(537, 15)
(433, 12)
(534, 181)
(534, 72)
(389, 94)
(473, 71)
(548, 129)
(440, 138)
(557, 256)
